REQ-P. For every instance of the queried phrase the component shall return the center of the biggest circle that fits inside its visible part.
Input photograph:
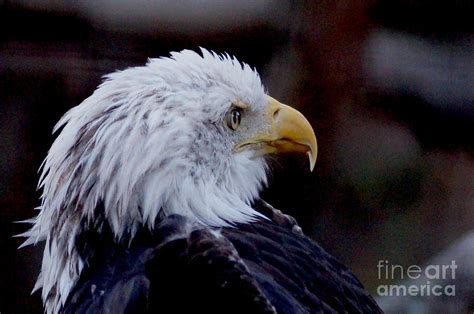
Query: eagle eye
(233, 118)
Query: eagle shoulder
(267, 266)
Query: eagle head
(187, 135)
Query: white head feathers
(150, 141)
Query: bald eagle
(150, 200)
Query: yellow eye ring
(233, 118)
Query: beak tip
(312, 161)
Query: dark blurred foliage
(387, 85)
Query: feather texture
(149, 142)
(262, 267)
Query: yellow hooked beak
(287, 131)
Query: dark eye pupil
(234, 119)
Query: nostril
(275, 114)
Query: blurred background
(387, 85)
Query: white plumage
(148, 142)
